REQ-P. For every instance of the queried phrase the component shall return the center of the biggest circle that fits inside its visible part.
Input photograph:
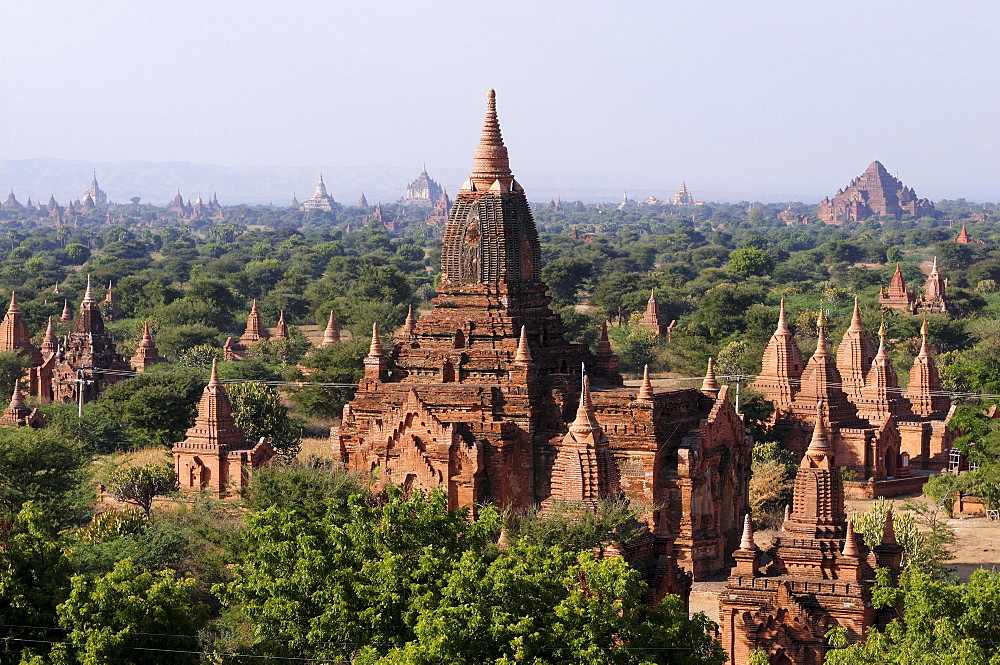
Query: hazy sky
(751, 96)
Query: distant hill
(158, 182)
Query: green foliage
(771, 482)
(139, 485)
(338, 363)
(921, 532)
(749, 261)
(156, 406)
(258, 410)
(633, 346)
(418, 583)
(573, 527)
(46, 468)
(306, 490)
(947, 623)
(11, 369)
(129, 616)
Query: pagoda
(215, 455)
(478, 395)
(962, 239)
(875, 193)
(651, 319)
(897, 297)
(855, 355)
(331, 335)
(254, 332)
(781, 367)
(14, 335)
(86, 361)
(682, 197)
(422, 192)
(933, 300)
(320, 200)
(146, 353)
(820, 574)
(95, 193)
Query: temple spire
(281, 330)
(646, 387)
(924, 390)
(781, 367)
(523, 352)
(331, 335)
(747, 543)
(88, 296)
(491, 162)
(709, 384)
(50, 344)
(851, 542)
(375, 349)
(410, 325)
(67, 313)
(855, 355)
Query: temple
(876, 429)
(932, 301)
(146, 353)
(215, 455)
(255, 331)
(95, 194)
(478, 395)
(651, 320)
(14, 334)
(422, 192)
(682, 197)
(875, 193)
(320, 200)
(84, 363)
(820, 574)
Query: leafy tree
(574, 527)
(923, 535)
(258, 410)
(339, 363)
(139, 485)
(11, 369)
(751, 261)
(44, 467)
(947, 623)
(127, 616)
(158, 405)
(772, 480)
(305, 489)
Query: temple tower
(821, 394)
(897, 297)
(146, 354)
(651, 320)
(781, 366)
(584, 470)
(881, 397)
(855, 355)
(320, 200)
(111, 309)
(331, 335)
(924, 389)
(50, 344)
(14, 334)
(281, 330)
(215, 455)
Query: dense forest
(312, 564)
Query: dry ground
(977, 545)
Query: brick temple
(819, 574)
(484, 396)
(875, 193)
(877, 428)
(931, 301)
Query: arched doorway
(890, 463)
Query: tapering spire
(889, 531)
(410, 325)
(14, 335)
(586, 420)
(646, 387)
(147, 338)
(782, 320)
(747, 544)
(17, 399)
(523, 352)
(375, 349)
(709, 384)
(214, 428)
(67, 313)
(491, 162)
(781, 366)
(88, 295)
(924, 389)
(856, 324)
(50, 344)
(851, 542)
(331, 335)
(281, 330)
(604, 344)
(820, 442)
(213, 378)
(13, 308)
(255, 329)
(881, 398)
(109, 296)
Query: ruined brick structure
(874, 193)
(877, 429)
(820, 573)
(215, 455)
(17, 413)
(87, 354)
(479, 395)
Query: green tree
(44, 467)
(258, 410)
(158, 405)
(139, 485)
(751, 261)
(131, 616)
(924, 536)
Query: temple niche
(484, 396)
(875, 193)
(878, 430)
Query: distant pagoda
(874, 193)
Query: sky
(778, 98)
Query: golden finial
(821, 319)
(882, 329)
(923, 329)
